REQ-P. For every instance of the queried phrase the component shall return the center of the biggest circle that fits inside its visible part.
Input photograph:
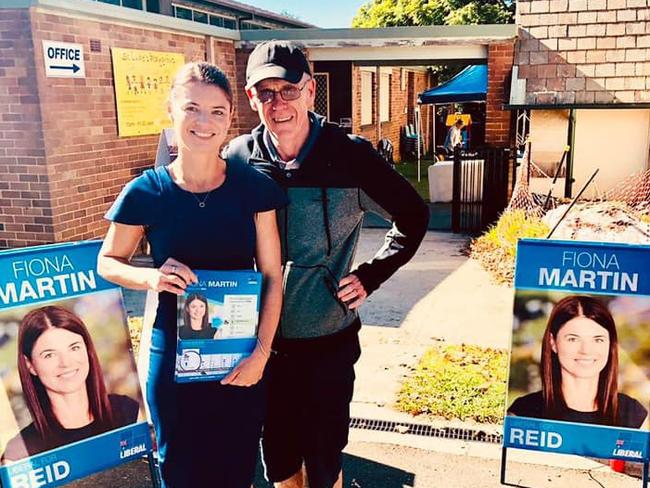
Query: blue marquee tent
(470, 85)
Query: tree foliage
(393, 13)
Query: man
(332, 179)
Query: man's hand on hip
(351, 291)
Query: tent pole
(418, 124)
(433, 117)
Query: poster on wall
(142, 80)
(580, 358)
(70, 400)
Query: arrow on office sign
(74, 67)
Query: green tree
(393, 13)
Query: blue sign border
(87, 456)
(562, 261)
(79, 459)
(599, 441)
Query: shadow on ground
(439, 218)
(360, 473)
(439, 255)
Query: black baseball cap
(276, 59)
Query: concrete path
(440, 295)
(376, 463)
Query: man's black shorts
(310, 385)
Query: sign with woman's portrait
(580, 359)
(217, 324)
(70, 402)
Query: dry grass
(497, 248)
(135, 329)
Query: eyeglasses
(287, 93)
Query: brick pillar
(497, 120)
(246, 117)
(222, 53)
(356, 99)
(25, 207)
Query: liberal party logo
(628, 449)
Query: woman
(579, 369)
(196, 319)
(215, 444)
(63, 385)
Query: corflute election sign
(217, 324)
(70, 402)
(579, 364)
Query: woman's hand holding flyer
(248, 372)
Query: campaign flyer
(580, 358)
(217, 324)
(70, 401)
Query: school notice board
(142, 81)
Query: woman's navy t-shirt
(631, 413)
(219, 236)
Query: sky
(322, 13)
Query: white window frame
(366, 97)
(384, 96)
(209, 13)
(144, 4)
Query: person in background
(454, 137)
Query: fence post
(455, 200)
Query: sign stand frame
(504, 461)
(153, 469)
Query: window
(201, 17)
(322, 98)
(384, 97)
(366, 97)
(137, 4)
(221, 21)
(252, 26)
(182, 13)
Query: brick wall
(584, 51)
(497, 120)
(25, 216)
(399, 101)
(222, 53)
(87, 162)
(62, 163)
(247, 118)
